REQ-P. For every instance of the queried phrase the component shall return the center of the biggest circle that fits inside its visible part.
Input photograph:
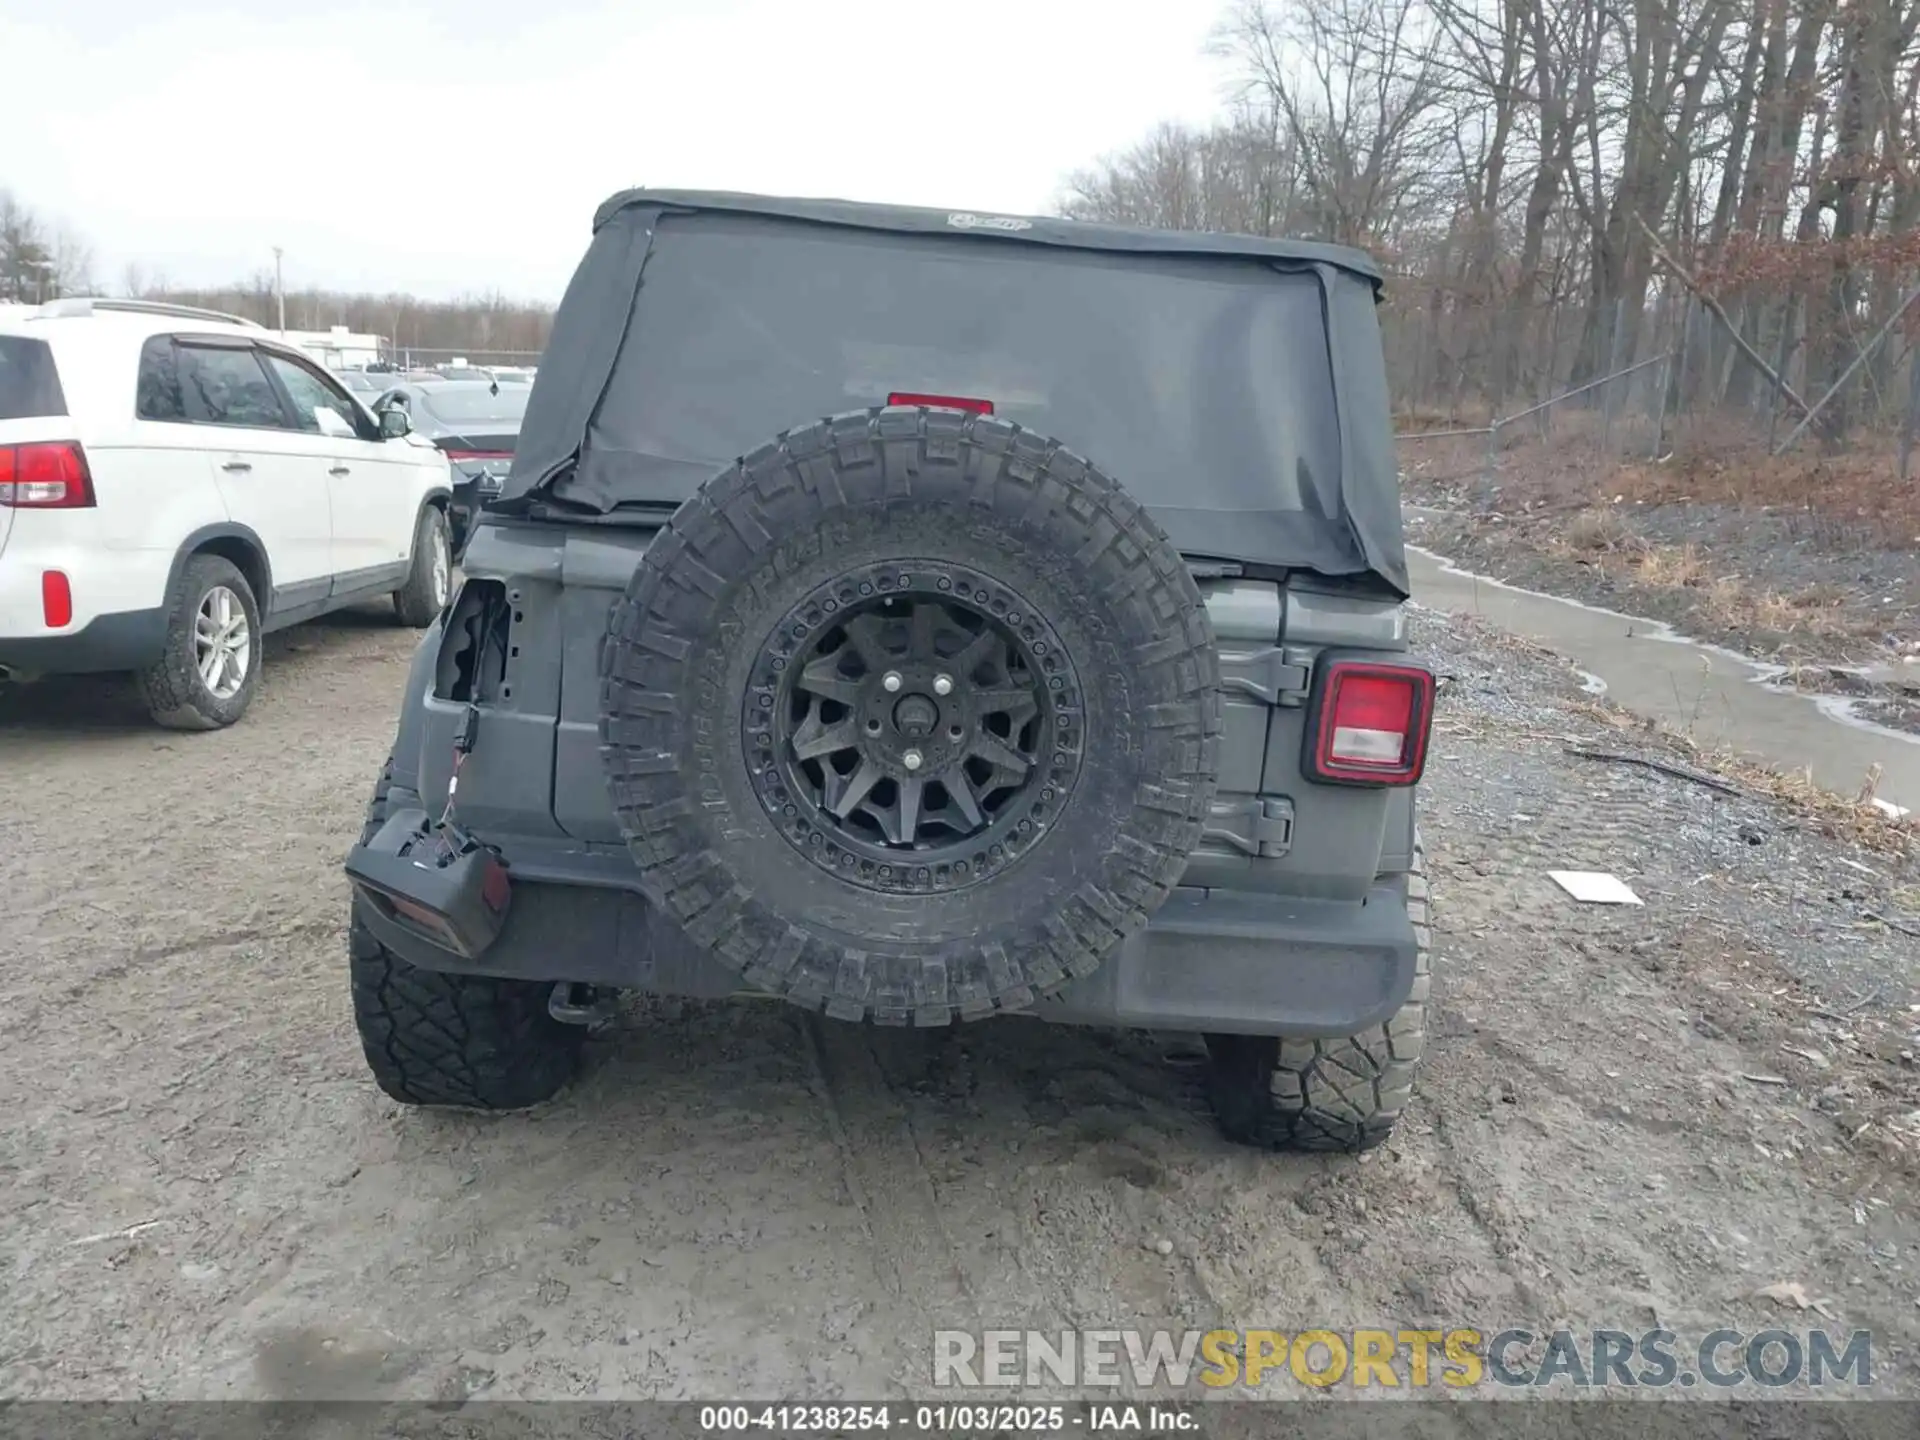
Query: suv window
(157, 392)
(227, 387)
(313, 398)
(29, 384)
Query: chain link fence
(415, 357)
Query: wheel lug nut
(890, 682)
(912, 759)
(942, 685)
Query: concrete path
(1712, 693)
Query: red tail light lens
(1368, 724)
(47, 476)
(56, 599)
(942, 402)
(478, 454)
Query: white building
(338, 348)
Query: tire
(1339, 1095)
(1044, 861)
(419, 602)
(468, 1041)
(178, 693)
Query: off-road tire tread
(469, 1041)
(171, 686)
(413, 602)
(791, 486)
(1342, 1095)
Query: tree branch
(1707, 298)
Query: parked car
(1062, 673)
(475, 423)
(365, 384)
(175, 483)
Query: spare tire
(911, 714)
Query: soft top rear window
(29, 383)
(1239, 395)
(1181, 377)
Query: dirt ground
(1632, 1116)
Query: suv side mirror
(395, 422)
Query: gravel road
(1632, 1115)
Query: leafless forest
(480, 327)
(1559, 189)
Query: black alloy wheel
(913, 725)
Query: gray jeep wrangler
(1060, 672)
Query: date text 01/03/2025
(960, 1419)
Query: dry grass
(1710, 460)
(1674, 567)
(1739, 606)
(1594, 531)
(1600, 536)
(1860, 489)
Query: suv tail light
(56, 599)
(1368, 723)
(51, 475)
(942, 402)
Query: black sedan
(476, 423)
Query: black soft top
(1235, 385)
(1030, 229)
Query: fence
(1622, 413)
(410, 357)
(1678, 378)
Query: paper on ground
(1594, 887)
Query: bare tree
(1350, 84)
(1508, 161)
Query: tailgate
(1270, 828)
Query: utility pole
(279, 291)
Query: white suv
(176, 482)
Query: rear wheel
(430, 580)
(469, 1041)
(206, 676)
(1344, 1094)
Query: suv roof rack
(87, 305)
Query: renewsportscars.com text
(1453, 1359)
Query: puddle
(1841, 708)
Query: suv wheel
(433, 1038)
(910, 716)
(1343, 1094)
(207, 674)
(430, 580)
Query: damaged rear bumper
(1209, 961)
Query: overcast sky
(441, 146)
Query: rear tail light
(46, 476)
(56, 599)
(942, 402)
(478, 454)
(1368, 723)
